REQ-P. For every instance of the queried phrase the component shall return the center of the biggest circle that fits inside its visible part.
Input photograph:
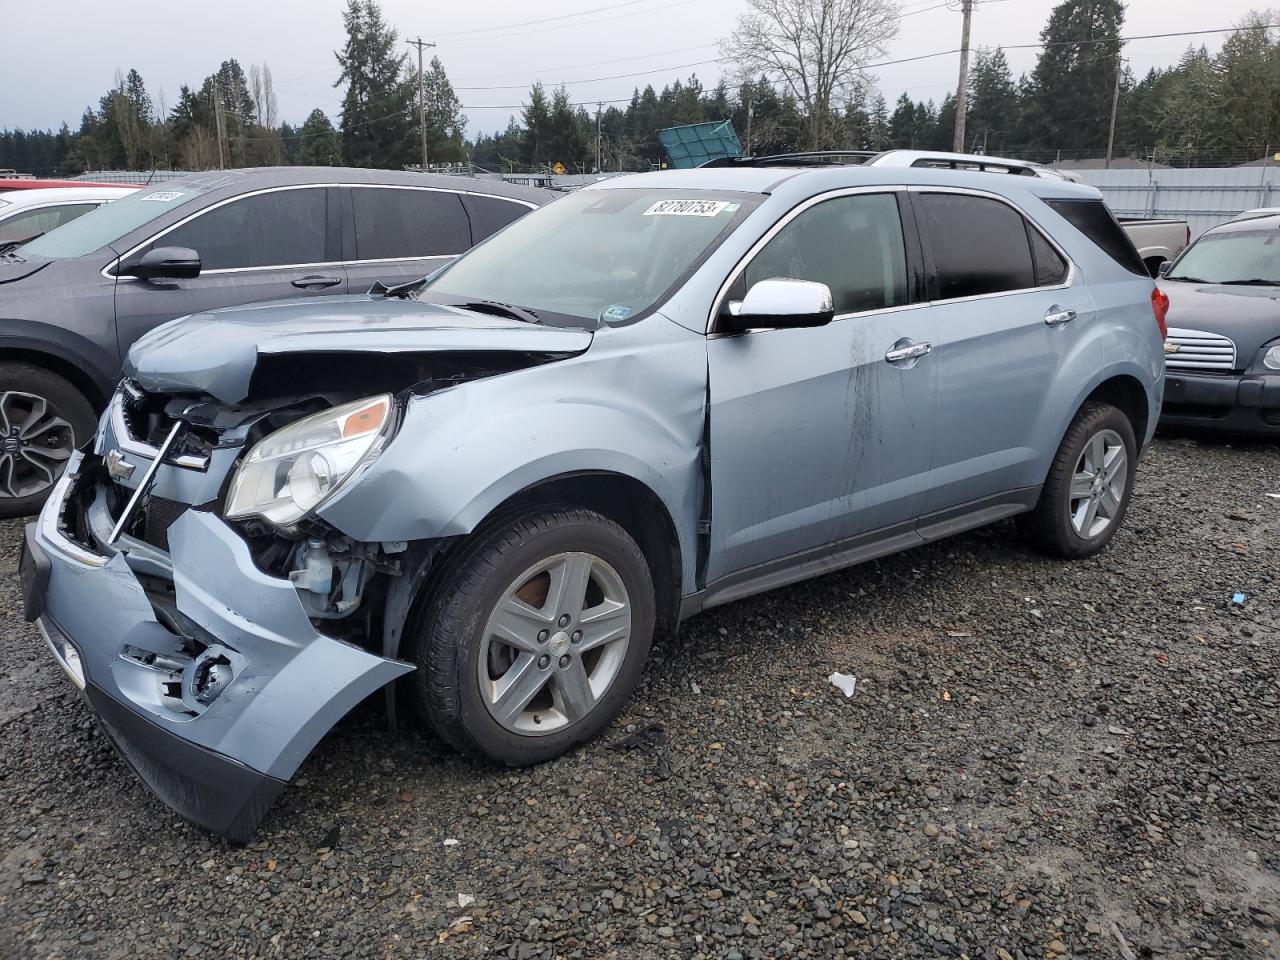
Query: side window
(394, 224)
(491, 214)
(852, 244)
(979, 245)
(1094, 220)
(1051, 269)
(25, 226)
(265, 230)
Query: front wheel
(1089, 485)
(43, 419)
(535, 636)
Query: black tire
(70, 405)
(448, 634)
(1049, 526)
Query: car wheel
(534, 636)
(43, 419)
(1087, 491)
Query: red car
(21, 183)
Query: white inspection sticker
(164, 196)
(686, 208)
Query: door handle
(1057, 316)
(315, 280)
(906, 350)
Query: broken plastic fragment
(450, 842)
(845, 683)
(1238, 599)
(465, 900)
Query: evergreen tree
(445, 122)
(1071, 88)
(318, 142)
(377, 105)
(537, 128)
(993, 103)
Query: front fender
(632, 410)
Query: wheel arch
(66, 360)
(1126, 393)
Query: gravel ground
(1040, 760)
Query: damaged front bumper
(205, 672)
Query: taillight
(1160, 307)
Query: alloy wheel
(1098, 484)
(554, 643)
(35, 442)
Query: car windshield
(596, 255)
(107, 224)
(1234, 256)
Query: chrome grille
(1200, 350)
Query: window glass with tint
(1094, 220)
(490, 214)
(1051, 268)
(979, 245)
(264, 230)
(33, 223)
(1245, 257)
(396, 224)
(852, 244)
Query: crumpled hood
(216, 352)
(1248, 315)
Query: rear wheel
(43, 419)
(535, 636)
(1089, 485)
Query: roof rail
(941, 160)
(816, 158)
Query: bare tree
(263, 92)
(817, 49)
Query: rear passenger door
(1010, 308)
(397, 234)
(267, 245)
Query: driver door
(820, 438)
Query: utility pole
(598, 106)
(1115, 106)
(962, 85)
(422, 97)
(751, 110)
(219, 123)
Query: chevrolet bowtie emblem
(118, 467)
(1172, 347)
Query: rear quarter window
(398, 224)
(1095, 221)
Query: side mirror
(781, 303)
(1164, 268)
(166, 263)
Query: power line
(526, 23)
(616, 76)
(593, 63)
(581, 23)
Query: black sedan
(1222, 356)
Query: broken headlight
(289, 473)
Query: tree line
(1205, 109)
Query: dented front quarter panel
(632, 405)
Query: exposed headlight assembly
(289, 473)
(1271, 359)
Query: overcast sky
(60, 58)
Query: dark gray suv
(74, 300)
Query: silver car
(650, 397)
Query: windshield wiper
(1251, 282)
(14, 244)
(1183, 278)
(499, 309)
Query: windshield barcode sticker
(686, 208)
(164, 196)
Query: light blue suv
(650, 397)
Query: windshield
(596, 255)
(107, 224)
(1236, 256)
